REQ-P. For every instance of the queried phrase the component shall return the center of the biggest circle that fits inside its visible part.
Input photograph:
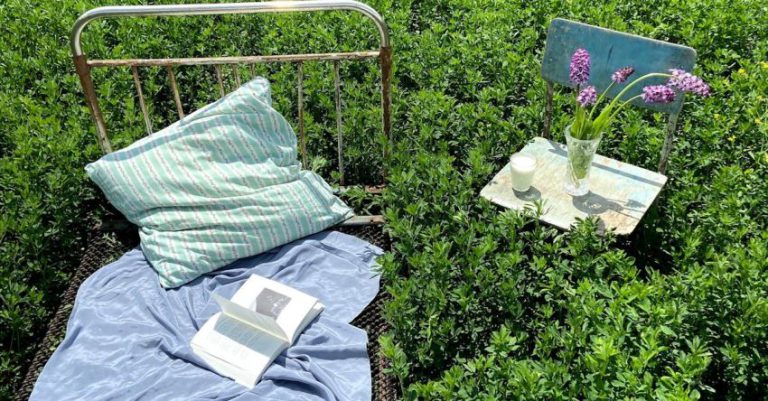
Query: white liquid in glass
(523, 167)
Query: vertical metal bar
(666, 149)
(339, 132)
(253, 71)
(217, 68)
(302, 138)
(84, 73)
(144, 112)
(385, 59)
(548, 110)
(236, 73)
(175, 90)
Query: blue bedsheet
(128, 338)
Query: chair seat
(620, 193)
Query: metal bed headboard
(83, 65)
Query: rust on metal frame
(142, 104)
(385, 60)
(302, 138)
(374, 189)
(384, 54)
(353, 221)
(236, 73)
(175, 90)
(339, 132)
(370, 189)
(219, 79)
(84, 73)
(284, 58)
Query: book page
(291, 309)
(253, 317)
(235, 349)
(237, 373)
(263, 318)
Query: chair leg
(548, 110)
(667, 148)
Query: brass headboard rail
(83, 66)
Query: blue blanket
(128, 338)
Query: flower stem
(621, 106)
(600, 99)
(635, 82)
(603, 119)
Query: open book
(263, 318)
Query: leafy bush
(486, 304)
(490, 305)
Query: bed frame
(106, 244)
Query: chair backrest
(611, 50)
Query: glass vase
(580, 155)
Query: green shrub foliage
(486, 304)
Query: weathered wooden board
(611, 50)
(620, 193)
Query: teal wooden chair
(620, 193)
(611, 50)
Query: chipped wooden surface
(609, 51)
(620, 193)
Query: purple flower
(580, 67)
(587, 96)
(622, 74)
(687, 82)
(658, 94)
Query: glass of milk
(523, 167)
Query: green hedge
(497, 306)
(486, 305)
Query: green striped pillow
(220, 184)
